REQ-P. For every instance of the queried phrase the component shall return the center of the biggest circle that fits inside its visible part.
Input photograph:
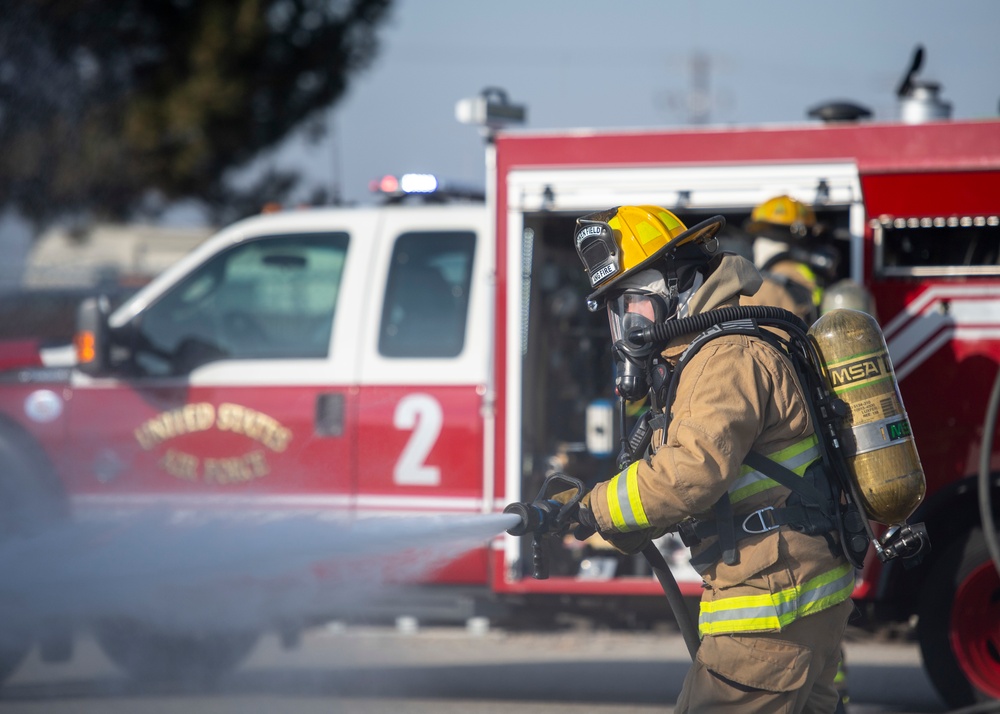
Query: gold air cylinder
(875, 434)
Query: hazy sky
(587, 63)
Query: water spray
(182, 573)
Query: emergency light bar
(407, 183)
(427, 186)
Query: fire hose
(546, 517)
(985, 501)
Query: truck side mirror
(91, 339)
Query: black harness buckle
(689, 536)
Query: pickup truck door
(424, 366)
(237, 384)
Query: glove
(580, 518)
(586, 521)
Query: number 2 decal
(422, 414)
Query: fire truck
(413, 360)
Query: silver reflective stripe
(624, 502)
(775, 610)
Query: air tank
(875, 434)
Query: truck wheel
(31, 501)
(959, 623)
(31, 498)
(148, 654)
(14, 648)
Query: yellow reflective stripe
(795, 449)
(624, 504)
(807, 272)
(797, 457)
(773, 611)
(647, 232)
(613, 506)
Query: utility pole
(699, 98)
(695, 104)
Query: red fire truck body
(440, 359)
(916, 209)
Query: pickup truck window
(427, 295)
(272, 297)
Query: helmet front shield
(597, 248)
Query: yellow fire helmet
(784, 213)
(624, 240)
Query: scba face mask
(635, 310)
(627, 312)
(647, 300)
(644, 302)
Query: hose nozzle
(543, 515)
(531, 518)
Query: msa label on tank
(860, 371)
(898, 430)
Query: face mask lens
(630, 311)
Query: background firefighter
(775, 606)
(795, 262)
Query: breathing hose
(663, 332)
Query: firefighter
(794, 262)
(776, 600)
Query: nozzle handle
(555, 512)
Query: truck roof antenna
(907, 84)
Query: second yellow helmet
(783, 212)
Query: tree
(106, 102)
